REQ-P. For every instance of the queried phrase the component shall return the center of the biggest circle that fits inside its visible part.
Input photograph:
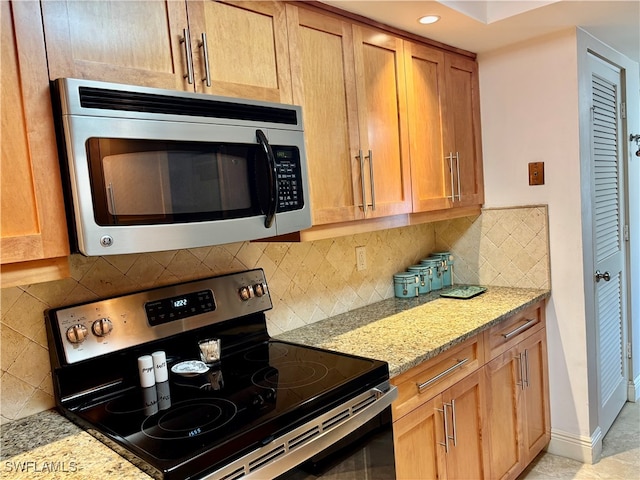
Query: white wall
(530, 113)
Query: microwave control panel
(290, 196)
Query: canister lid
(404, 277)
(417, 268)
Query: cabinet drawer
(504, 335)
(423, 382)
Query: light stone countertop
(403, 332)
(406, 332)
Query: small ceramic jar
(405, 285)
(447, 267)
(424, 282)
(435, 271)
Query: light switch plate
(536, 173)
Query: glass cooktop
(244, 401)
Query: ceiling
(481, 26)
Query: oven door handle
(272, 178)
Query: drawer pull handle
(525, 326)
(422, 386)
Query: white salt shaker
(160, 366)
(146, 370)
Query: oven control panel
(97, 328)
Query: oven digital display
(177, 308)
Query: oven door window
(144, 182)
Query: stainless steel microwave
(151, 169)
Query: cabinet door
(382, 113)
(535, 408)
(464, 403)
(248, 54)
(33, 218)
(324, 85)
(462, 136)
(418, 439)
(431, 179)
(504, 390)
(125, 42)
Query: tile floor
(620, 455)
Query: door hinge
(626, 233)
(623, 110)
(629, 350)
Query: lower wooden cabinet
(440, 438)
(489, 421)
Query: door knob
(604, 276)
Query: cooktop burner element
(193, 425)
(190, 418)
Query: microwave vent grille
(91, 97)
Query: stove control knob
(77, 333)
(102, 327)
(245, 293)
(259, 289)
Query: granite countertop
(406, 332)
(403, 332)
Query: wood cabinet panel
(322, 67)
(383, 128)
(124, 42)
(536, 421)
(507, 334)
(518, 401)
(465, 401)
(436, 374)
(503, 378)
(248, 50)
(33, 216)
(417, 439)
(157, 43)
(462, 135)
(431, 179)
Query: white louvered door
(608, 240)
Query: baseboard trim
(581, 448)
(633, 391)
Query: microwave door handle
(272, 178)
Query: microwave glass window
(149, 182)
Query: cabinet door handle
(205, 53)
(364, 192)
(446, 427)
(520, 381)
(458, 176)
(526, 369)
(422, 386)
(525, 326)
(186, 39)
(453, 422)
(449, 159)
(372, 181)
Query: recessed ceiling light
(427, 19)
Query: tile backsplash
(308, 281)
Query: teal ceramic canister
(405, 285)
(434, 265)
(447, 267)
(422, 272)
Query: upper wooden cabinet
(384, 139)
(462, 139)
(34, 244)
(350, 83)
(444, 126)
(239, 48)
(323, 72)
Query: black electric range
(259, 408)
